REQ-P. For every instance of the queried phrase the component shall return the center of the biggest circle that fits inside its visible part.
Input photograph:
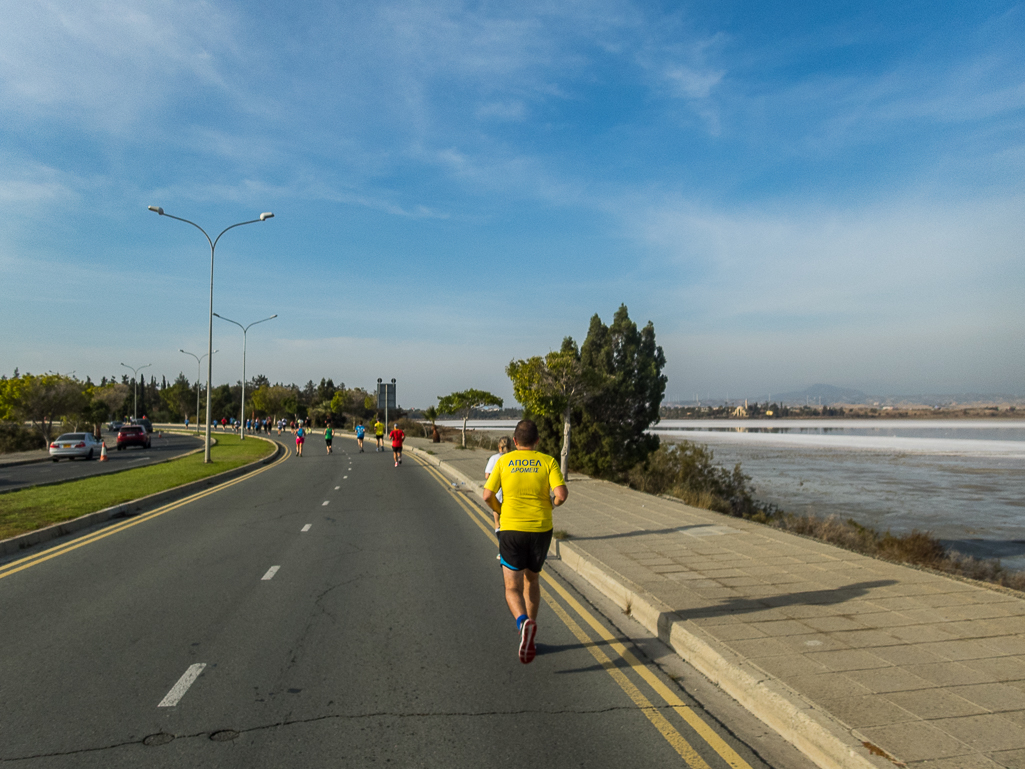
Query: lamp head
(159, 210)
(263, 217)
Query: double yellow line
(34, 560)
(601, 640)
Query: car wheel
(89, 455)
(55, 459)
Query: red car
(132, 435)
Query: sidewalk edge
(812, 730)
(23, 541)
(818, 735)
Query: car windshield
(131, 430)
(72, 437)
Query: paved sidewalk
(857, 661)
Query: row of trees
(46, 399)
(49, 400)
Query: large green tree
(462, 404)
(552, 386)
(179, 399)
(610, 425)
(41, 400)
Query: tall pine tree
(609, 428)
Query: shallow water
(973, 500)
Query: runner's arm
(561, 495)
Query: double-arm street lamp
(135, 402)
(199, 362)
(242, 421)
(210, 337)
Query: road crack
(216, 735)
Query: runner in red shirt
(397, 436)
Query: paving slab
(858, 661)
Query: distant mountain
(822, 394)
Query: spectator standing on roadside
(379, 434)
(531, 484)
(397, 437)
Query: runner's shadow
(827, 597)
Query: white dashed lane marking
(324, 503)
(307, 527)
(270, 573)
(179, 689)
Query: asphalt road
(161, 449)
(326, 611)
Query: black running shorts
(524, 549)
(397, 449)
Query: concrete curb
(18, 462)
(814, 732)
(823, 739)
(130, 508)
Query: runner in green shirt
(328, 435)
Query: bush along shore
(687, 472)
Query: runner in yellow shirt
(531, 484)
(379, 432)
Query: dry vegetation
(686, 471)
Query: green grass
(31, 509)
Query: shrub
(15, 437)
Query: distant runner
(328, 435)
(397, 436)
(379, 433)
(360, 432)
(300, 438)
(531, 484)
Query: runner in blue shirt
(360, 432)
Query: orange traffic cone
(103, 452)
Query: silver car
(73, 445)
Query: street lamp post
(242, 421)
(135, 400)
(199, 362)
(210, 337)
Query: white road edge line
(307, 527)
(179, 689)
(270, 573)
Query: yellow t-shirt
(526, 479)
(379, 429)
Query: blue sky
(792, 193)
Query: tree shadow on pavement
(693, 530)
(826, 597)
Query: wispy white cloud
(890, 264)
(108, 61)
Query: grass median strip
(30, 509)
